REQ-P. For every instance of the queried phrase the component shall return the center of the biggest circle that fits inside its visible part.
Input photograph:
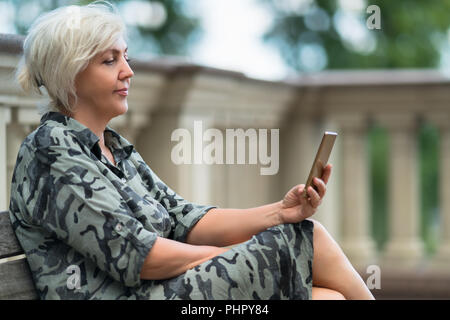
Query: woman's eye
(109, 62)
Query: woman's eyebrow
(116, 50)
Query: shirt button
(124, 180)
(118, 227)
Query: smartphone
(321, 159)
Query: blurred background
(302, 66)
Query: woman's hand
(295, 207)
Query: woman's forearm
(169, 258)
(224, 227)
(218, 228)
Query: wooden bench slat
(9, 245)
(16, 281)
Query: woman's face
(97, 85)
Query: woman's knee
(320, 230)
(318, 227)
(319, 293)
(316, 223)
(324, 243)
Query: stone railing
(166, 95)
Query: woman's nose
(127, 72)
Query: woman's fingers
(314, 197)
(302, 193)
(321, 186)
(326, 173)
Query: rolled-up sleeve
(79, 205)
(186, 215)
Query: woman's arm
(168, 258)
(224, 227)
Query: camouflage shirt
(76, 214)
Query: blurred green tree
(162, 27)
(312, 35)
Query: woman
(83, 199)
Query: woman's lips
(122, 92)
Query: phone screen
(321, 159)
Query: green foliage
(173, 37)
(378, 155)
(410, 35)
(429, 184)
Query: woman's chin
(122, 109)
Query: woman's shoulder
(36, 149)
(57, 129)
(49, 140)
(46, 136)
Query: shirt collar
(121, 148)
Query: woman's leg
(319, 293)
(331, 269)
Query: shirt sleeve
(80, 206)
(184, 214)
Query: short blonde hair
(60, 44)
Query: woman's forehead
(118, 47)
(116, 50)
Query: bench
(16, 282)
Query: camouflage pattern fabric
(71, 207)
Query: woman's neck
(94, 122)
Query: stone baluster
(356, 239)
(404, 248)
(194, 179)
(297, 149)
(5, 117)
(17, 131)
